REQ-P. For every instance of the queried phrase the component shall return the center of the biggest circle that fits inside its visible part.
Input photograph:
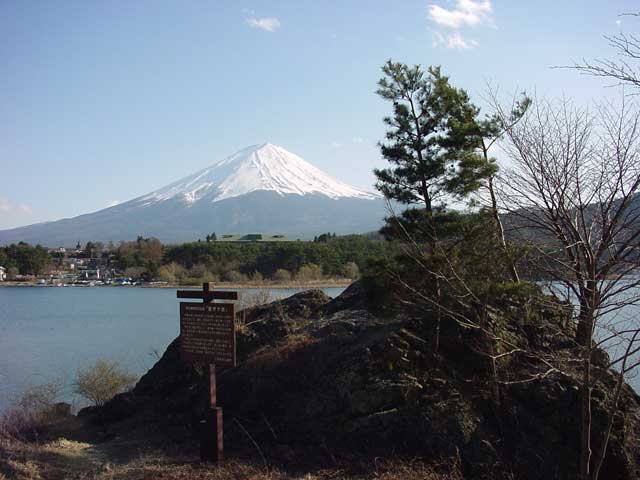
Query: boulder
(314, 371)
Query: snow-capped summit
(260, 189)
(265, 167)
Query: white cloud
(268, 24)
(335, 144)
(357, 140)
(454, 40)
(112, 203)
(618, 22)
(465, 13)
(7, 206)
(25, 209)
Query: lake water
(46, 333)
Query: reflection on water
(46, 333)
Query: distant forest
(24, 259)
(327, 256)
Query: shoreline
(329, 283)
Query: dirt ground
(74, 450)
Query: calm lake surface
(47, 333)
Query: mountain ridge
(259, 189)
(266, 167)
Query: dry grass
(72, 460)
(251, 300)
(62, 458)
(255, 299)
(59, 459)
(144, 470)
(34, 410)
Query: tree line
(194, 262)
(24, 259)
(343, 256)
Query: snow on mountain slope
(259, 167)
(262, 188)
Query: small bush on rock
(101, 381)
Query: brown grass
(33, 411)
(65, 459)
(59, 454)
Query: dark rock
(318, 372)
(271, 323)
(353, 298)
(88, 411)
(600, 358)
(61, 410)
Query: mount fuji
(260, 189)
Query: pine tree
(431, 140)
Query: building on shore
(252, 237)
(3, 274)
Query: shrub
(198, 271)
(12, 273)
(257, 277)
(172, 272)
(134, 272)
(235, 277)
(33, 410)
(350, 270)
(101, 381)
(281, 275)
(380, 283)
(310, 271)
(255, 298)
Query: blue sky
(102, 101)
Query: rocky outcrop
(319, 372)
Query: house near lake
(3, 274)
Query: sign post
(208, 336)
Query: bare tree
(621, 70)
(571, 192)
(489, 133)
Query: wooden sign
(208, 333)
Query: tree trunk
(589, 301)
(602, 451)
(586, 320)
(433, 244)
(515, 278)
(435, 339)
(585, 418)
(584, 330)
